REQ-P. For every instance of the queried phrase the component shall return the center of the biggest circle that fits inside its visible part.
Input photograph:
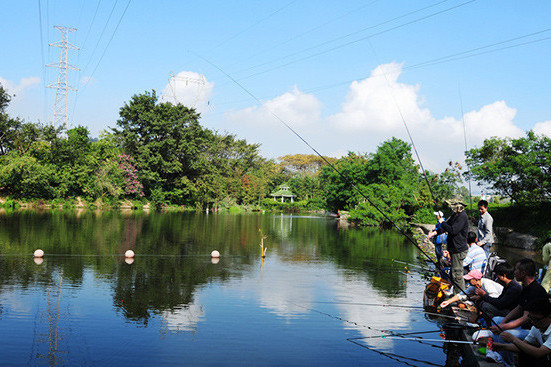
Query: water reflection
(173, 286)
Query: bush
(424, 216)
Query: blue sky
(340, 73)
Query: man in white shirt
(535, 349)
(476, 281)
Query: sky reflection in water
(84, 305)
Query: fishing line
(352, 185)
(405, 124)
(346, 180)
(394, 356)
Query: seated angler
(535, 348)
(517, 321)
(476, 281)
(476, 257)
(507, 300)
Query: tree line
(160, 153)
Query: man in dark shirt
(507, 300)
(517, 322)
(456, 227)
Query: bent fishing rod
(347, 181)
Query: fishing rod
(366, 304)
(431, 340)
(412, 333)
(465, 138)
(344, 178)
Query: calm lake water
(318, 298)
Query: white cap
(439, 213)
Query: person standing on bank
(485, 227)
(439, 240)
(457, 227)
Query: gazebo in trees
(283, 192)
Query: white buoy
(129, 260)
(39, 253)
(215, 260)
(129, 254)
(38, 260)
(215, 254)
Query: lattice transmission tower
(61, 109)
(176, 80)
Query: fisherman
(535, 348)
(476, 282)
(485, 227)
(507, 300)
(439, 240)
(456, 227)
(546, 254)
(517, 321)
(476, 257)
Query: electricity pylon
(61, 110)
(174, 79)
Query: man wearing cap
(456, 227)
(476, 281)
(439, 240)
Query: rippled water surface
(320, 297)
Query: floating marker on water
(39, 253)
(38, 260)
(129, 260)
(215, 254)
(129, 254)
(215, 260)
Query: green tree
(164, 140)
(519, 168)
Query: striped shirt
(475, 259)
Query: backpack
(491, 263)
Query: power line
(112, 36)
(253, 25)
(91, 24)
(104, 51)
(448, 58)
(347, 36)
(100, 36)
(43, 65)
(358, 40)
(313, 29)
(78, 56)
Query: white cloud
(373, 111)
(185, 318)
(299, 110)
(543, 128)
(18, 89)
(295, 108)
(377, 103)
(190, 89)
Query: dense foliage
(159, 152)
(517, 168)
